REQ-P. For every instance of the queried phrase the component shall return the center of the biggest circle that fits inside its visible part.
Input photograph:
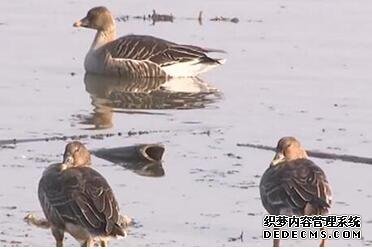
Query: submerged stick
(130, 133)
(77, 137)
(317, 154)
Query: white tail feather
(190, 68)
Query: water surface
(296, 68)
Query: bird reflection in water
(112, 94)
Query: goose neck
(103, 37)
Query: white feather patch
(189, 69)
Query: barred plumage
(140, 55)
(77, 199)
(294, 185)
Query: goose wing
(156, 50)
(299, 186)
(80, 196)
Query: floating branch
(317, 154)
(77, 137)
(155, 17)
(100, 136)
(225, 19)
(123, 18)
(232, 239)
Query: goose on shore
(140, 56)
(294, 185)
(77, 199)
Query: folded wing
(156, 50)
(80, 196)
(299, 187)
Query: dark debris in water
(342, 203)
(136, 224)
(210, 215)
(333, 148)
(15, 242)
(197, 226)
(13, 166)
(9, 207)
(257, 20)
(155, 17)
(237, 165)
(208, 133)
(232, 155)
(221, 178)
(201, 227)
(225, 19)
(231, 172)
(244, 185)
(368, 242)
(40, 159)
(239, 238)
(12, 147)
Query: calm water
(293, 68)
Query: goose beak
(77, 24)
(278, 158)
(81, 23)
(68, 159)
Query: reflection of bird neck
(102, 116)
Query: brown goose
(294, 185)
(77, 199)
(140, 55)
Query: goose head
(98, 18)
(288, 149)
(76, 155)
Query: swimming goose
(77, 199)
(294, 185)
(140, 56)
